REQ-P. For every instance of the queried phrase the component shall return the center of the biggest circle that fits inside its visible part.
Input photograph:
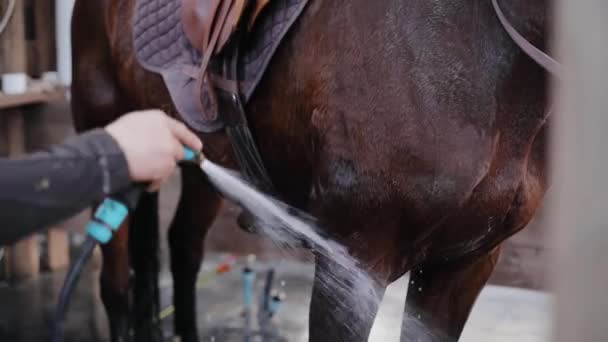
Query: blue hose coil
(189, 155)
(108, 217)
(99, 232)
(248, 278)
(112, 213)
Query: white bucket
(14, 84)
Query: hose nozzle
(193, 156)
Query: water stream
(351, 290)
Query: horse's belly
(501, 205)
(434, 197)
(404, 169)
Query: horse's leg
(198, 206)
(440, 299)
(143, 249)
(338, 312)
(115, 284)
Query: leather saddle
(204, 19)
(209, 25)
(184, 39)
(211, 55)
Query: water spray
(282, 223)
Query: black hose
(128, 198)
(267, 291)
(68, 287)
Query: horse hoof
(247, 222)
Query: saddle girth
(230, 105)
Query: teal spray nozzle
(193, 156)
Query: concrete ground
(501, 314)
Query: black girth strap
(541, 58)
(237, 128)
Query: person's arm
(46, 187)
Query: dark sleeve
(44, 188)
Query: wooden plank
(44, 15)
(23, 258)
(31, 33)
(58, 250)
(50, 124)
(30, 98)
(13, 56)
(15, 125)
(40, 37)
(580, 142)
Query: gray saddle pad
(162, 47)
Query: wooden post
(580, 145)
(41, 52)
(23, 258)
(12, 41)
(40, 35)
(58, 249)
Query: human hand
(153, 143)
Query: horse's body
(414, 130)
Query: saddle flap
(162, 46)
(200, 19)
(197, 18)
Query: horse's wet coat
(415, 130)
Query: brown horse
(414, 130)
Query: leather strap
(237, 127)
(202, 76)
(541, 58)
(241, 138)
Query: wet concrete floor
(501, 314)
